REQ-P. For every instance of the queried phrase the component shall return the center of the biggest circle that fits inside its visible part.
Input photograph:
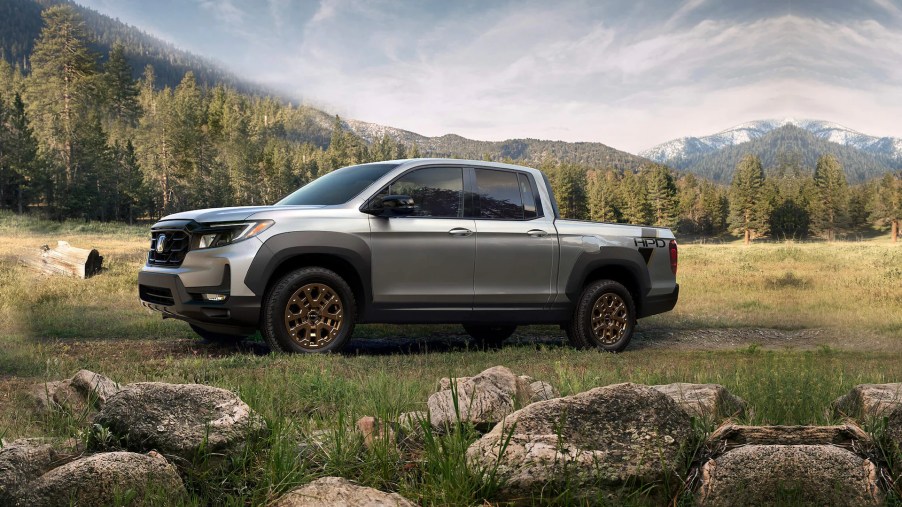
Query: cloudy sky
(629, 73)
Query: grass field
(788, 327)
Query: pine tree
(749, 208)
(661, 196)
(20, 169)
(831, 207)
(569, 185)
(59, 93)
(886, 209)
(634, 195)
(603, 196)
(120, 91)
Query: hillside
(21, 24)
(788, 144)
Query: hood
(235, 214)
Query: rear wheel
(488, 336)
(215, 337)
(604, 317)
(309, 310)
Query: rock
(608, 436)
(789, 475)
(444, 383)
(541, 391)
(339, 492)
(96, 386)
(868, 401)
(104, 479)
(707, 401)
(72, 399)
(23, 460)
(42, 395)
(374, 431)
(482, 400)
(848, 436)
(413, 421)
(179, 419)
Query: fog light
(214, 297)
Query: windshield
(337, 187)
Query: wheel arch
(345, 254)
(622, 265)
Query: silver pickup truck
(408, 241)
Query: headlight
(215, 235)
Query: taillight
(673, 256)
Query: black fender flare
(282, 247)
(619, 257)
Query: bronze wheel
(309, 310)
(610, 318)
(604, 317)
(314, 315)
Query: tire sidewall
(276, 300)
(583, 315)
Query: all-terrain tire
(604, 317)
(309, 310)
(489, 336)
(218, 338)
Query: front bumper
(654, 305)
(165, 293)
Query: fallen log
(65, 259)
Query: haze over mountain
(781, 141)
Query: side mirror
(391, 206)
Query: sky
(629, 74)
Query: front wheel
(604, 317)
(488, 336)
(309, 310)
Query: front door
(425, 259)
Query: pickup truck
(408, 241)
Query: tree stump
(65, 260)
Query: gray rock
(22, 461)
(869, 401)
(42, 395)
(482, 400)
(707, 401)
(789, 475)
(339, 492)
(542, 391)
(94, 385)
(413, 421)
(607, 436)
(105, 479)
(179, 420)
(72, 399)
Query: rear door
(516, 245)
(425, 259)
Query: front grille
(156, 295)
(175, 246)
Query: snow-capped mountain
(679, 149)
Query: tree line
(80, 137)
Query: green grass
(847, 294)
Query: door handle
(460, 231)
(537, 233)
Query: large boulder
(339, 492)
(482, 400)
(107, 479)
(789, 475)
(179, 420)
(542, 391)
(23, 460)
(869, 401)
(607, 436)
(707, 401)
(96, 386)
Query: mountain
(695, 154)
(786, 147)
(20, 24)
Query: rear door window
(498, 195)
